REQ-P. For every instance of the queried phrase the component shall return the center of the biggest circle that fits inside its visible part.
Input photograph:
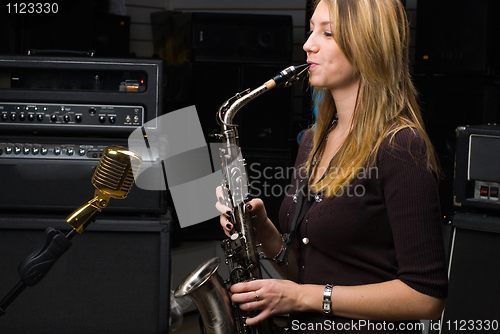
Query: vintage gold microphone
(113, 178)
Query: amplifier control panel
(70, 116)
(18, 150)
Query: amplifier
(54, 174)
(78, 95)
(477, 172)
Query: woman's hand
(265, 233)
(269, 296)
(255, 206)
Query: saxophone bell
(207, 290)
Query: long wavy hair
(374, 35)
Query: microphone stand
(112, 179)
(36, 265)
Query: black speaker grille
(112, 280)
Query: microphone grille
(114, 175)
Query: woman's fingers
(225, 217)
(268, 296)
(227, 225)
(221, 203)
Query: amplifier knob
(31, 117)
(35, 150)
(44, 151)
(17, 150)
(39, 117)
(57, 151)
(92, 111)
(13, 116)
(22, 117)
(78, 118)
(81, 152)
(53, 118)
(5, 117)
(66, 118)
(112, 119)
(8, 150)
(70, 151)
(102, 119)
(26, 150)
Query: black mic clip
(38, 263)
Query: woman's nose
(310, 46)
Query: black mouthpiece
(302, 67)
(289, 74)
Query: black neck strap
(302, 207)
(300, 213)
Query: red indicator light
(484, 191)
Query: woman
(370, 244)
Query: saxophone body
(204, 285)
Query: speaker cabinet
(113, 279)
(457, 37)
(265, 122)
(473, 275)
(222, 37)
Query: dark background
(454, 64)
(458, 81)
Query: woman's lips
(312, 66)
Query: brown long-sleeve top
(385, 225)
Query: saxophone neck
(229, 109)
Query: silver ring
(256, 295)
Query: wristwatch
(327, 299)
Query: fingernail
(249, 207)
(228, 213)
(229, 226)
(221, 200)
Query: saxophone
(204, 285)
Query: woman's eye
(326, 33)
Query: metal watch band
(327, 299)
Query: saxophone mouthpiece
(302, 68)
(289, 75)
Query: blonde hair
(374, 36)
